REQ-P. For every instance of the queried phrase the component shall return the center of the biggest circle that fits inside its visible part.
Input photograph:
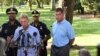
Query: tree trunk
(38, 4)
(21, 2)
(42, 3)
(69, 7)
(30, 4)
(26, 1)
(53, 5)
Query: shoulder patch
(41, 27)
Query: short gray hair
(23, 16)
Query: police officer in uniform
(27, 38)
(44, 32)
(8, 30)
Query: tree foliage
(92, 4)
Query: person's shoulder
(19, 28)
(67, 22)
(17, 22)
(33, 28)
(5, 24)
(31, 23)
(54, 23)
(42, 23)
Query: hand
(8, 39)
(11, 45)
(38, 55)
(42, 44)
(38, 52)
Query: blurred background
(84, 15)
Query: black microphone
(20, 33)
(22, 42)
(29, 38)
(18, 39)
(35, 34)
(28, 35)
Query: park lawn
(87, 30)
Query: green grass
(86, 26)
(87, 30)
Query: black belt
(55, 46)
(59, 47)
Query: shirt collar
(61, 21)
(27, 29)
(37, 24)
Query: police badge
(11, 9)
(41, 28)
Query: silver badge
(11, 9)
(41, 28)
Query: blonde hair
(23, 16)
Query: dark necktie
(25, 51)
(22, 42)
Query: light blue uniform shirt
(62, 32)
(35, 40)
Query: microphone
(20, 33)
(35, 34)
(29, 39)
(18, 39)
(28, 35)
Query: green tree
(53, 5)
(92, 4)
